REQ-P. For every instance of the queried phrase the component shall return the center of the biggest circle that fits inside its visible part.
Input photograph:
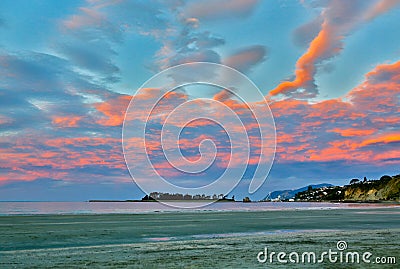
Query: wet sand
(193, 240)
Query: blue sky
(330, 70)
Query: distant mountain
(287, 194)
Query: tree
(354, 181)
(385, 178)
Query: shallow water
(42, 231)
(42, 208)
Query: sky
(329, 70)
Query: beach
(225, 239)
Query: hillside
(387, 188)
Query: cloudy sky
(330, 71)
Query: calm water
(35, 208)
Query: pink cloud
(379, 8)
(352, 130)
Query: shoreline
(87, 209)
(215, 201)
(222, 201)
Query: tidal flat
(197, 239)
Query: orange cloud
(352, 132)
(336, 154)
(222, 95)
(385, 139)
(67, 121)
(114, 110)
(288, 107)
(81, 141)
(305, 66)
(379, 92)
(393, 69)
(338, 21)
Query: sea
(71, 208)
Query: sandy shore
(194, 240)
